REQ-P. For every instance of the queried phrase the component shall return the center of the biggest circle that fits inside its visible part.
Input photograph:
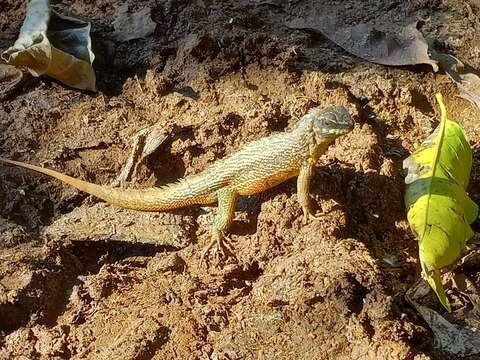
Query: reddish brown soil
(83, 280)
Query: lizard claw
(310, 215)
(206, 250)
(220, 245)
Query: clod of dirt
(138, 341)
(38, 342)
(32, 281)
(11, 234)
(95, 224)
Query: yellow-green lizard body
(255, 167)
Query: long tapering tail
(151, 199)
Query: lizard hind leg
(226, 211)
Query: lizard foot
(309, 214)
(313, 216)
(220, 246)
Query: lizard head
(331, 122)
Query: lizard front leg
(226, 210)
(303, 185)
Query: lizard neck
(314, 145)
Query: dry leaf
(55, 45)
(133, 26)
(145, 143)
(402, 46)
(466, 77)
(454, 339)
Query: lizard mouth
(349, 127)
(340, 131)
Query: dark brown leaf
(396, 47)
(129, 26)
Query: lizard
(257, 166)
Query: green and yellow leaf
(438, 207)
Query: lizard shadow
(246, 222)
(48, 293)
(371, 200)
(368, 217)
(370, 210)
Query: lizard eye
(329, 119)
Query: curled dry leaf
(396, 47)
(55, 45)
(144, 144)
(466, 77)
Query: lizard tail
(151, 199)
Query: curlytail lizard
(255, 167)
